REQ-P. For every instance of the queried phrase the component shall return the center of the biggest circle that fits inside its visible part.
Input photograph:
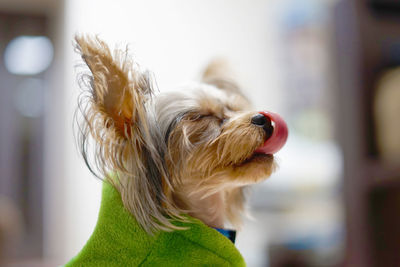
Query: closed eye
(202, 116)
(211, 116)
(221, 120)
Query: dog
(176, 160)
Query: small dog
(186, 152)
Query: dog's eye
(211, 116)
(202, 116)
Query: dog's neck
(210, 210)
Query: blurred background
(329, 67)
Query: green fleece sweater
(118, 240)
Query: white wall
(175, 39)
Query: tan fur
(217, 162)
(115, 118)
(198, 166)
(219, 74)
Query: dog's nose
(264, 122)
(259, 120)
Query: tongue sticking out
(278, 137)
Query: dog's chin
(256, 168)
(260, 158)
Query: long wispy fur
(113, 108)
(190, 151)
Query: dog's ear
(116, 89)
(219, 74)
(116, 124)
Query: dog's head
(169, 148)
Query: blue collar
(230, 234)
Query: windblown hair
(114, 117)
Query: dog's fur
(189, 151)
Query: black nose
(259, 120)
(264, 122)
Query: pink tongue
(279, 136)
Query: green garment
(118, 240)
